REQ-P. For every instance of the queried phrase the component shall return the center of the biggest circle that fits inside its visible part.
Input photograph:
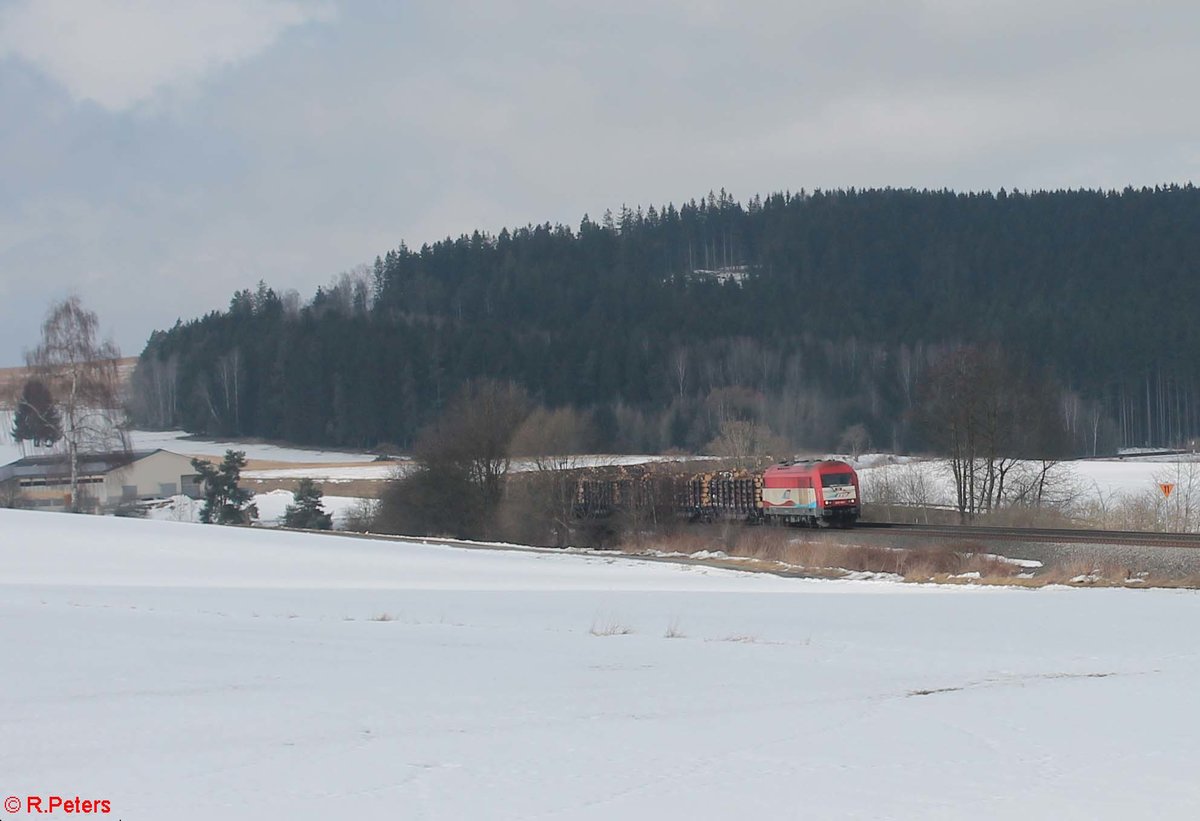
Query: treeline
(814, 315)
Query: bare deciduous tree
(746, 443)
(902, 491)
(986, 417)
(85, 374)
(855, 439)
(460, 465)
(475, 433)
(552, 440)
(679, 369)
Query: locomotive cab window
(835, 479)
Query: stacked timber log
(723, 494)
(605, 491)
(727, 493)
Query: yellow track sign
(1166, 488)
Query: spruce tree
(36, 419)
(306, 511)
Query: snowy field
(333, 475)
(175, 440)
(191, 672)
(1087, 478)
(387, 470)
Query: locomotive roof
(805, 465)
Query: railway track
(1040, 535)
(1026, 535)
(1170, 555)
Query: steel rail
(1048, 535)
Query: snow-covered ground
(1087, 478)
(599, 460)
(192, 672)
(175, 440)
(271, 507)
(386, 470)
(333, 475)
(1122, 477)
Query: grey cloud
(119, 53)
(389, 122)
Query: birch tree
(85, 374)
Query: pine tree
(37, 419)
(306, 511)
(224, 502)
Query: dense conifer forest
(814, 315)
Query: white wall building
(106, 480)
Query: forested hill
(808, 313)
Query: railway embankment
(1161, 556)
(1026, 558)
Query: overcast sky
(156, 156)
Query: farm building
(106, 480)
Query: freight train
(815, 493)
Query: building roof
(57, 464)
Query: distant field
(279, 456)
(11, 380)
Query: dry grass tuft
(1189, 581)
(609, 627)
(951, 559)
(673, 631)
(1093, 572)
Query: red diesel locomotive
(821, 493)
